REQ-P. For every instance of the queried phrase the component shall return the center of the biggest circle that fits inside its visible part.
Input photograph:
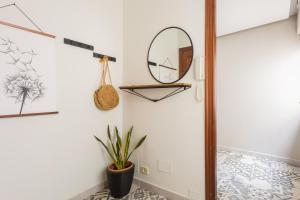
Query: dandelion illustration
(4, 45)
(20, 59)
(8, 46)
(24, 87)
(3, 41)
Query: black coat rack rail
(87, 47)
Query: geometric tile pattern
(103, 195)
(138, 194)
(247, 177)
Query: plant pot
(120, 181)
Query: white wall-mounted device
(199, 68)
(199, 77)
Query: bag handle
(105, 71)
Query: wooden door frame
(210, 116)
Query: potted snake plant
(121, 171)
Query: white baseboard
(170, 195)
(290, 161)
(90, 192)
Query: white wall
(238, 15)
(175, 126)
(258, 94)
(55, 157)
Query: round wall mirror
(170, 55)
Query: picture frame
(27, 72)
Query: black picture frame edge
(170, 27)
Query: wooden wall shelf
(179, 87)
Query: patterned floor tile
(247, 177)
(138, 194)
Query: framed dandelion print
(27, 72)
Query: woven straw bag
(106, 96)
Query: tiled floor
(137, 194)
(247, 177)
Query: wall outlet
(144, 170)
(164, 166)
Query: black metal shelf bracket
(87, 47)
(172, 93)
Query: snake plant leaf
(108, 133)
(106, 148)
(140, 142)
(115, 147)
(112, 144)
(127, 144)
(137, 146)
(118, 144)
(119, 140)
(118, 149)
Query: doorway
(257, 153)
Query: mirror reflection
(170, 55)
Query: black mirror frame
(171, 27)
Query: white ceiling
(238, 15)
